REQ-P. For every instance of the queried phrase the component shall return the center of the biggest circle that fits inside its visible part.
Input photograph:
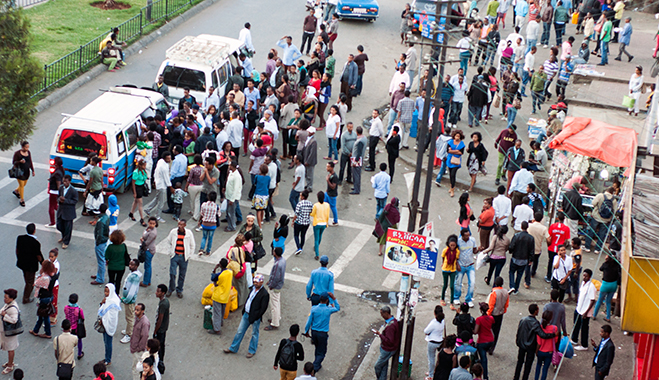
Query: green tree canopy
(20, 76)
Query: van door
(126, 147)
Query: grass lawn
(59, 27)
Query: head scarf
(109, 311)
(258, 277)
(393, 215)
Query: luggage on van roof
(204, 49)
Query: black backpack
(287, 356)
(606, 208)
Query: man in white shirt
(512, 37)
(454, 78)
(163, 182)
(272, 173)
(375, 135)
(211, 99)
(400, 76)
(459, 92)
(584, 311)
(562, 265)
(527, 71)
(235, 132)
(298, 183)
(234, 188)
(501, 206)
(245, 37)
(221, 135)
(270, 124)
(411, 62)
(308, 369)
(522, 213)
(532, 33)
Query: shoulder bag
(12, 329)
(258, 252)
(64, 370)
(141, 253)
(98, 325)
(81, 331)
(15, 172)
(126, 256)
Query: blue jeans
(515, 273)
(471, 279)
(538, 97)
(605, 53)
(526, 78)
(464, 61)
(474, 115)
(442, 170)
(294, 197)
(332, 148)
(147, 268)
(599, 236)
(177, 261)
(382, 365)
(108, 347)
(100, 262)
(360, 84)
(317, 236)
(319, 339)
(546, 31)
(242, 328)
(607, 290)
(529, 45)
(489, 55)
(483, 348)
(544, 361)
(207, 238)
(392, 118)
(332, 203)
(379, 205)
(456, 111)
(239, 214)
(560, 29)
(512, 114)
(44, 320)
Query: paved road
(351, 248)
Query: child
(177, 198)
(52, 256)
(280, 233)
(75, 315)
(575, 277)
(465, 323)
(466, 349)
(18, 374)
(113, 211)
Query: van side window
(131, 135)
(121, 147)
(225, 73)
(216, 83)
(234, 61)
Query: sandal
(8, 370)
(487, 280)
(130, 215)
(142, 223)
(201, 252)
(33, 333)
(442, 303)
(22, 203)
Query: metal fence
(26, 3)
(89, 54)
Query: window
(81, 144)
(121, 147)
(182, 77)
(162, 109)
(224, 73)
(216, 83)
(131, 135)
(234, 61)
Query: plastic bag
(628, 101)
(480, 260)
(207, 295)
(566, 348)
(94, 203)
(575, 18)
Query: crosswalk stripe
(37, 165)
(29, 204)
(350, 253)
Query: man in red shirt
(558, 233)
(389, 342)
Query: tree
(20, 75)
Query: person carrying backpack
(604, 208)
(289, 353)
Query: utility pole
(441, 17)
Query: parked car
(358, 9)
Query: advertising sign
(410, 253)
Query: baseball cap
(324, 259)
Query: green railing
(88, 55)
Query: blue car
(358, 9)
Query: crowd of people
(195, 152)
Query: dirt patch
(110, 5)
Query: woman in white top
(108, 312)
(333, 125)
(434, 336)
(465, 51)
(635, 85)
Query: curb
(135, 47)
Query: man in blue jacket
(349, 80)
(625, 38)
(318, 323)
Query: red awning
(611, 144)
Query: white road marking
(6, 182)
(37, 165)
(350, 253)
(29, 204)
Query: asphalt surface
(351, 248)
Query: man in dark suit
(255, 307)
(604, 353)
(349, 80)
(66, 213)
(28, 257)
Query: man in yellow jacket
(221, 292)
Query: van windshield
(80, 143)
(182, 77)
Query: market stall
(590, 149)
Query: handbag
(98, 325)
(64, 370)
(455, 160)
(496, 102)
(146, 190)
(126, 257)
(81, 331)
(45, 310)
(141, 253)
(258, 252)
(12, 329)
(15, 172)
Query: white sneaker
(50, 225)
(123, 332)
(198, 229)
(471, 304)
(574, 343)
(456, 302)
(545, 47)
(125, 339)
(581, 348)
(161, 220)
